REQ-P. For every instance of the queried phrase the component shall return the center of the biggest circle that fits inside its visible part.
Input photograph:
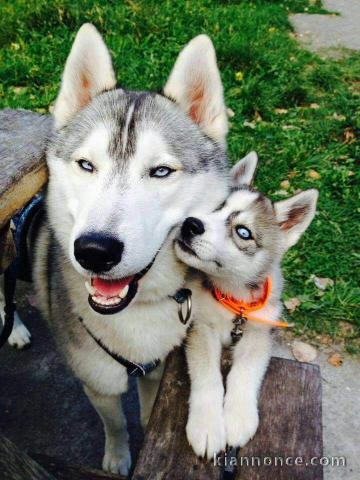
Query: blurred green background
(296, 110)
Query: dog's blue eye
(160, 172)
(86, 165)
(243, 232)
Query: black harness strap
(10, 306)
(133, 369)
(20, 267)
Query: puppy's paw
(20, 336)
(205, 428)
(241, 420)
(117, 462)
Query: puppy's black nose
(192, 226)
(98, 252)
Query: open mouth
(111, 295)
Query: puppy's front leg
(205, 427)
(250, 359)
(117, 457)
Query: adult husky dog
(125, 168)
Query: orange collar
(242, 309)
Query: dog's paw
(241, 420)
(205, 428)
(117, 462)
(20, 336)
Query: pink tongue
(110, 288)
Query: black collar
(138, 369)
(133, 369)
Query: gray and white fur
(236, 247)
(125, 169)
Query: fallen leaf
(18, 90)
(292, 303)
(230, 113)
(285, 184)
(281, 111)
(349, 135)
(249, 124)
(313, 174)
(339, 117)
(257, 117)
(303, 352)
(335, 359)
(289, 127)
(322, 282)
(282, 193)
(292, 174)
(239, 76)
(347, 329)
(351, 173)
(326, 339)
(314, 106)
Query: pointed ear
(88, 71)
(243, 172)
(295, 215)
(195, 84)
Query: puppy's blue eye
(243, 232)
(161, 172)
(86, 165)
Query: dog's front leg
(250, 359)
(117, 457)
(205, 427)
(148, 387)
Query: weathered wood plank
(290, 427)
(290, 424)
(16, 465)
(67, 472)
(166, 453)
(23, 137)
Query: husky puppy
(125, 169)
(238, 248)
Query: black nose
(192, 226)
(98, 252)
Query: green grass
(263, 70)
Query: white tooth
(124, 292)
(89, 288)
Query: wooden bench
(290, 432)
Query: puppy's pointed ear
(295, 215)
(243, 172)
(88, 71)
(195, 84)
